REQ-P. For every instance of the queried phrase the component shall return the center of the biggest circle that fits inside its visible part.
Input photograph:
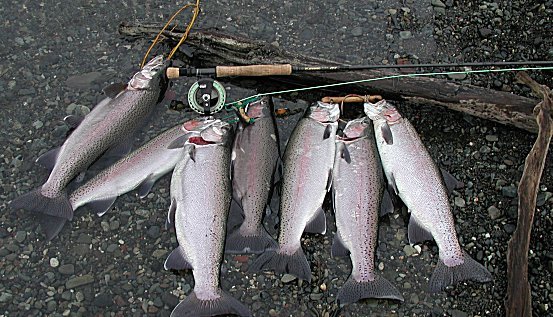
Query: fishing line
(184, 35)
(389, 77)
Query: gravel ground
(57, 61)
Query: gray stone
(114, 225)
(83, 80)
(414, 298)
(357, 31)
(405, 35)
(457, 313)
(494, 212)
(103, 300)
(66, 295)
(67, 269)
(5, 297)
(20, 236)
(153, 232)
(460, 202)
(79, 281)
(316, 296)
(287, 278)
(159, 253)
(409, 250)
(84, 238)
(438, 3)
(459, 76)
(112, 247)
(38, 124)
(79, 296)
(170, 299)
(509, 191)
(484, 32)
(492, 138)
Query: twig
(518, 301)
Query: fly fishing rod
(208, 96)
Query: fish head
(357, 128)
(151, 76)
(198, 124)
(382, 111)
(323, 112)
(261, 108)
(216, 133)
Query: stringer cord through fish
(157, 40)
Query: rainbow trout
(106, 126)
(414, 176)
(307, 176)
(140, 169)
(200, 201)
(255, 155)
(357, 190)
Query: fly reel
(207, 96)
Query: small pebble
(54, 262)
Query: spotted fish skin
(141, 168)
(201, 195)
(255, 155)
(418, 182)
(308, 162)
(357, 189)
(104, 127)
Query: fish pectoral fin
(114, 89)
(177, 260)
(329, 180)
(338, 247)
(178, 142)
(48, 159)
(387, 204)
(146, 186)
(416, 232)
(170, 221)
(387, 134)
(318, 223)
(73, 121)
(100, 207)
(344, 153)
(450, 181)
(328, 132)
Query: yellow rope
(184, 36)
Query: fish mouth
(155, 67)
(198, 140)
(382, 110)
(198, 124)
(355, 129)
(324, 112)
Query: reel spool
(207, 96)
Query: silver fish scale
(127, 173)
(202, 193)
(255, 154)
(308, 161)
(127, 111)
(357, 189)
(420, 186)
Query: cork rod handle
(254, 70)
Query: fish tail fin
(34, 201)
(224, 305)
(295, 264)
(51, 225)
(353, 291)
(256, 243)
(445, 275)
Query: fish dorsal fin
(48, 159)
(114, 89)
(338, 247)
(73, 121)
(177, 260)
(100, 207)
(387, 134)
(146, 186)
(416, 232)
(318, 223)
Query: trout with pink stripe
(414, 176)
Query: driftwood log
(518, 301)
(214, 48)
